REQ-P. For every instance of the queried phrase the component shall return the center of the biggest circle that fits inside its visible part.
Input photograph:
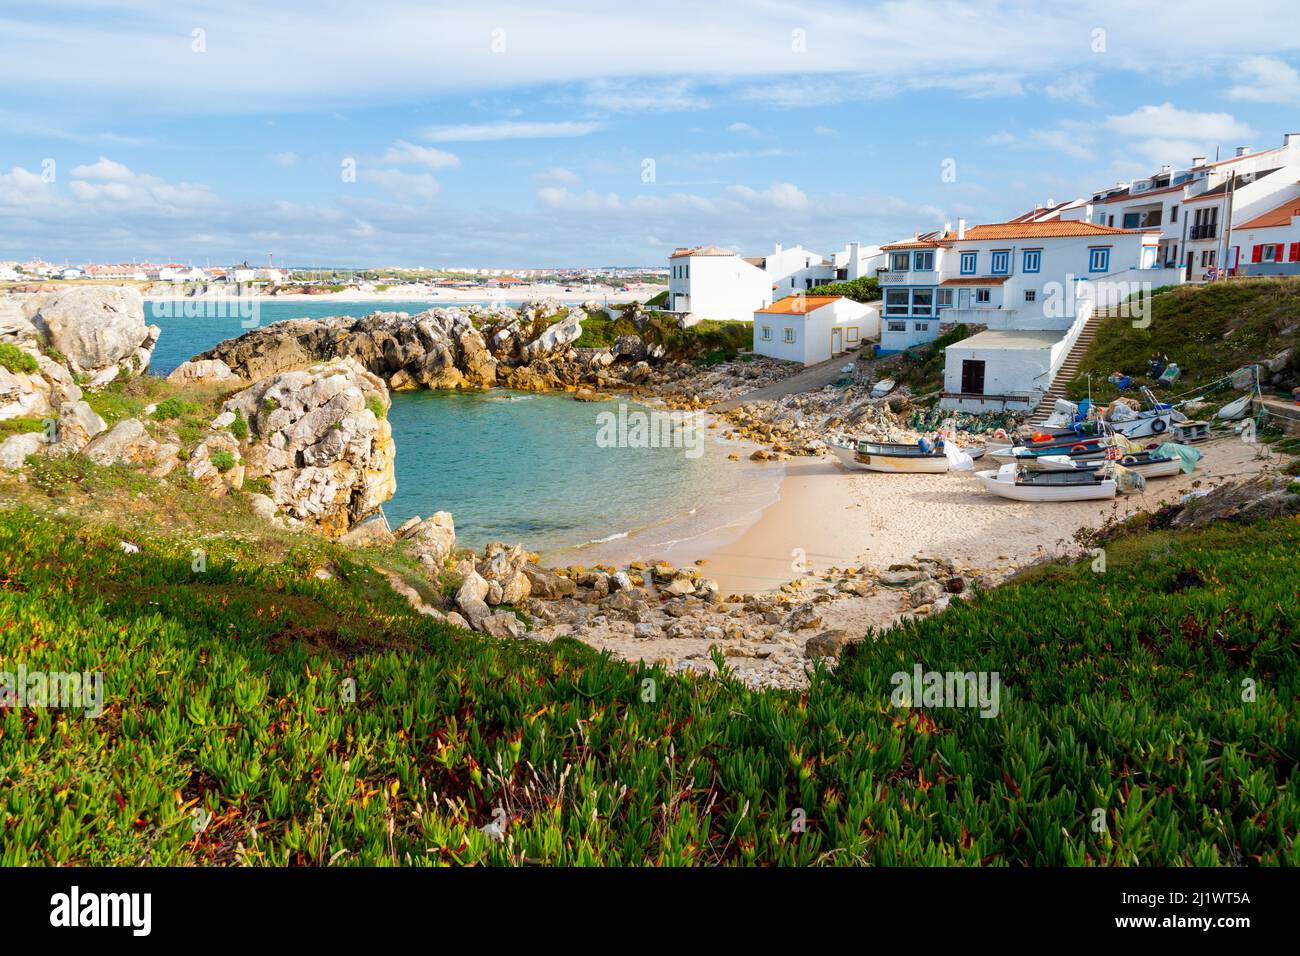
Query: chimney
(1291, 139)
(1038, 207)
(947, 228)
(1243, 150)
(778, 247)
(1198, 161)
(961, 228)
(1166, 168)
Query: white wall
(858, 323)
(718, 287)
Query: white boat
(1147, 424)
(1008, 482)
(882, 388)
(1147, 466)
(909, 459)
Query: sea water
(524, 467)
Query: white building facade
(814, 328)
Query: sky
(586, 134)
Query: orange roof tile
(799, 304)
(701, 251)
(1044, 230)
(1277, 216)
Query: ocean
(522, 467)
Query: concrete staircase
(1068, 370)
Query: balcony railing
(892, 278)
(1206, 231)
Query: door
(972, 377)
(837, 341)
(963, 299)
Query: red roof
(799, 304)
(1275, 217)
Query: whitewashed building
(1031, 287)
(1270, 242)
(813, 328)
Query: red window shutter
(1257, 254)
(1295, 252)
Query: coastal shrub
(377, 406)
(274, 701)
(239, 427)
(658, 300)
(922, 370)
(17, 360)
(862, 289)
(222, 460)
(176, 408)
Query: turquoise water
(515, 467)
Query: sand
(831, 517)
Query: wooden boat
(1072, 449)
(894, 458)
(1010, 482)
(1146, 465)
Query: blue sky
(586, 134)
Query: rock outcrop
(96, 332)
(445, 349)
(320, 438)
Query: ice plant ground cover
(256, 714)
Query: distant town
(336, 279)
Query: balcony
(1206, 231)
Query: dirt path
(811, 378)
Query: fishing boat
(1009, 481)
(897, 458)
(1146, 464)
(1084, 447)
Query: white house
(1198, 208)
(1270, 242)
(715, 283)
(813, 328)
(1031, 286)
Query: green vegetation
(239, 427)
(223, 460)
(1207, 331)
(863, 289)
(921, 368)
(171, 408)
(721, 340)
(20, 426)
(17, 360)
(376, 405)
(325, 722)
(658, 300)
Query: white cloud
(1073, 87)
(743, 129)
(108, 183)
(826, 131)
(1072, 142)
(621, 96)
(510, 129)
(557, 176)
(104, 170)
(286, 159)
(1266, 79)
(402, 153)
(1166, 120)
(401, 184)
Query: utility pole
(1227, 226)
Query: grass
(20, 426)
(324, 722)
(1208, 331)
(925, 374)
(17, 360)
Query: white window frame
(766, 333)
(789, 337)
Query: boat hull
(891, 464)
(1004, 485)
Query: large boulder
(201, 372)
(77, 425)
(15, 449)
(94, 327)
(556, 337)
(432, 540)
(314, 433)
(126, 443)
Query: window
(1001, 261)
(923, 326)
(968, 261)
(897, 326)
(851, 334)
(767, 333)
(1173, 213)
(1033, 260)
(922, 301)
(924, 262)
(1270, 253)
(1207, 258)
(1099, 259)
(789, 335)
(1031, 295)
(943, 299)
(896, 302)
(983, 296)
(688, 271)
(900, 261)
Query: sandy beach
(828, 517)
